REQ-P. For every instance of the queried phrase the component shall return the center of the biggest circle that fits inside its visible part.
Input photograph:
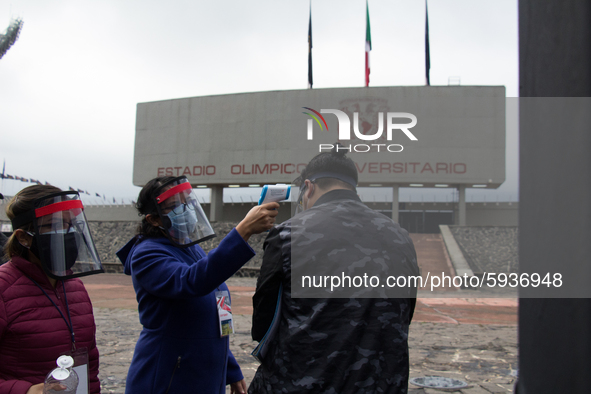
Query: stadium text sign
(399, 135)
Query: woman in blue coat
(178, 287)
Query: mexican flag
(367, 46)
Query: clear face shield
(181, 214)
(61, 238)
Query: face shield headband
(61, 237)
(183, 219)
(313, 178)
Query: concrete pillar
(395, 202)
(554, 194)
(217, 203)
(461, 214)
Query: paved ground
(473, 339)
(464, 335)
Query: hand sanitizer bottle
(62, 380)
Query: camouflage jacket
(334, 345)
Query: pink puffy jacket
(32, 332)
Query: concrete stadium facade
(450, 136)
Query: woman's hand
(258, 219)
(239, 387)
(38, 388)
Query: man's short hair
(331, 168)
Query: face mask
(41, 247)
(183, 223)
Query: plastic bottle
(62, 380)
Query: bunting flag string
(4, 175)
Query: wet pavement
(465, 337)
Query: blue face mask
(183, 223)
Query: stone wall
(109, 237)
(488, 248)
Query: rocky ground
(484, 356)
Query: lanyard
(70, 326)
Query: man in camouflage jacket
(334, 343)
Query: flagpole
(427, 49)
(310, 76)
(367, 44)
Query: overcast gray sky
(70, 85)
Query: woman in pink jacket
(44, 311)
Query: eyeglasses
(182, 207)
(61, 227)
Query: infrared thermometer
(274, 193)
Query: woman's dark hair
(146, 205)
(23, 202)
(334, 161)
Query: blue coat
(180, 345)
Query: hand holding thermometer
(274, 193)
